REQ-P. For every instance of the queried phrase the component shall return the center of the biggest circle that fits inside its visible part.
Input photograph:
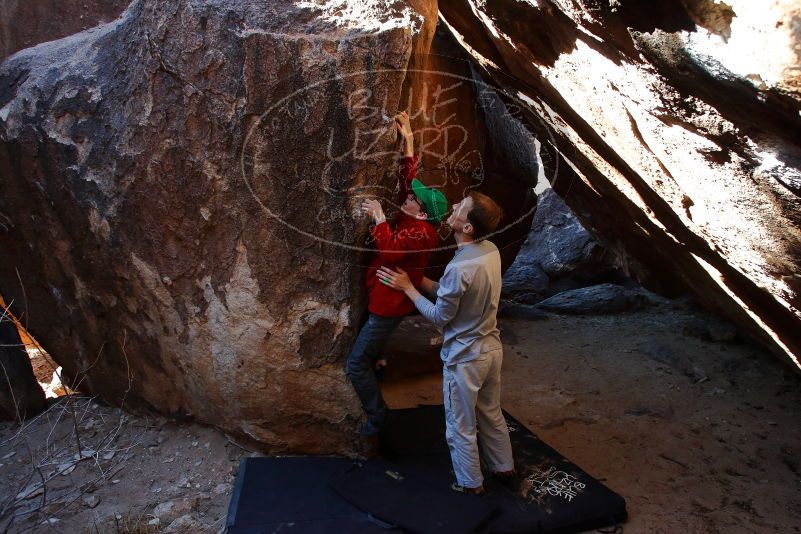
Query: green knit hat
(436, 205)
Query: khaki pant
(472, 394)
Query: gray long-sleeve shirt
(467, 303)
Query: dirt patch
(134, 474)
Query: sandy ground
(698, 436)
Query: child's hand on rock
(372, 207)
(403, 125)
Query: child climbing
(405, 243)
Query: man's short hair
(485, 215)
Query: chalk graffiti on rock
(314, 155)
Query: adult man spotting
(466, 306)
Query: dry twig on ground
(106, 451)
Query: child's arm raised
(408, 162)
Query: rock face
(558, 254)
(672, 132)
(468, 140)
(178, 190)
(25, 23)
(413, 349)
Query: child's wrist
(408, 145)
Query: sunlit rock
(671, 129)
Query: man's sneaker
(470, 491)
(369, 429)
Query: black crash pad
(550, 494)
(292, 494)
(406, 498)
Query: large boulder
(557, 249)
(672, 131)
(179, 192)
(561, 246)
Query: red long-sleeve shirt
(400, 245)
